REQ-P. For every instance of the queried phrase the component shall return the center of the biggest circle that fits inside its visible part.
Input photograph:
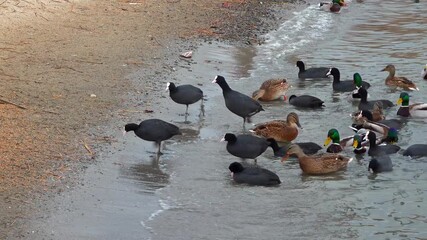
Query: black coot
(343, 86)
(184, 94)
(236, 102)
(154, 130)
(253, 175)
(378, 150)
(305, 101)
(309, 148)
(249, 146)
(319, 72)
(416, 150)
(380, 164)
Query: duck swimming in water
(271, 90)
(413, 110)
(318, 164)
(279, 130)
(401, 82)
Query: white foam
(164, 205)
(306, 27)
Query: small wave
(164, 205)
(305, 28)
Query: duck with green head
(358, 83)
(413, 110)
(357, 144)
(391, 136)
(334, 137)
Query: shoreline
(54, 81)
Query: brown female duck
(280, 130)
(271, 90)
(318, 164)
(402, 82)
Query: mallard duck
(413, 110)
(371, 126)
(388, 134)
(280, 130)
(253, 175)
(271, 90)
(424, 73)
(391, 137)
(357, 80)
(236, 102)
(378, 150)
(318, 164)
(369, 105)
(317, 72)
(402, 82)
(376, 115)
(357, 144)
(305, 101)
(337, 144)
(365, 115)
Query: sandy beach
(63, 71)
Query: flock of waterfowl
(374, 135)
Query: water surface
(188, 193)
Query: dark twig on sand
(12, 103)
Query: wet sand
(67, 66)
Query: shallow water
(188, 194)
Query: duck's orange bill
(355, 143)
(399, 101)
(327, 141)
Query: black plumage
(369, 105)
(318, 72)
(380, 164)
(305, 101)
(184, 94)
(249, 146)
(343, 86)
(416, 150)
(236, 102)
(253, 175)
(378, 150)
(154, 130)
